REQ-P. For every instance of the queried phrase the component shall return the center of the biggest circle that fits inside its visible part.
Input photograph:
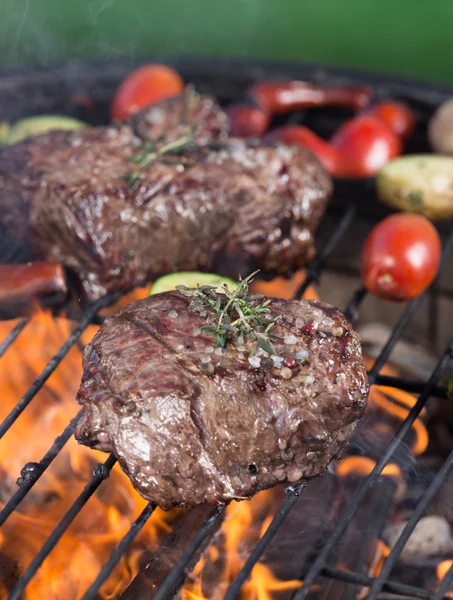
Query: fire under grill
(321, 569)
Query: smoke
(19, 31)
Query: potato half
(419, 183)
(440, 129)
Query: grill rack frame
(319, 568)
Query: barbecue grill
(54, 90)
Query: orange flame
(380, 554)
(442, 569)
(362, 465)
(239, 531)
(284, 288)
(390, 399)
(95, 533)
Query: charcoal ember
(431, 537)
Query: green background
(411, 37)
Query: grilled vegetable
(440, 128)
(400, 257)
(4, 132)
(418, 183)
(144, 86)
(20, 283)
(366, 144)
(397, 115)
(190, 279)
(32, 126)
(299, 135)
(278, 97)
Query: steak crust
(191, 424)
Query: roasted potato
(418, 183)
(440, 129)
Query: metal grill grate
(33, 471)
(319, 568)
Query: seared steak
(172, 118)
(190, 423)
(228, 207)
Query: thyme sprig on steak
(167, 153)
(240, 316)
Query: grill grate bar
(408, 385)
(397, 332)
(344, 522)
(33, 471)
(367, 581)
(13, 335)
(352, 309)
(116, 555)
(420, 509)
(315, 267)
(166, 589)
(292, 496)
(100, 472)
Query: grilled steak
(192, 424)
(228, 207)
(172, 118)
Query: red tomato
(302, 136)
(366, 144)
(247, 120)
(401, 257)
(397, 115)
(144, 86)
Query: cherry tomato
(366, 144)
(400, 257)
(302, 136)
(144, 86)
(397, 115)
(247, 120)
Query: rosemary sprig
(167, 153)
(236, 315)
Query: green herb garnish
(167, 153)
(236, 315)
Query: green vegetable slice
(190, 279)
(42, 124)
(4, 133)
